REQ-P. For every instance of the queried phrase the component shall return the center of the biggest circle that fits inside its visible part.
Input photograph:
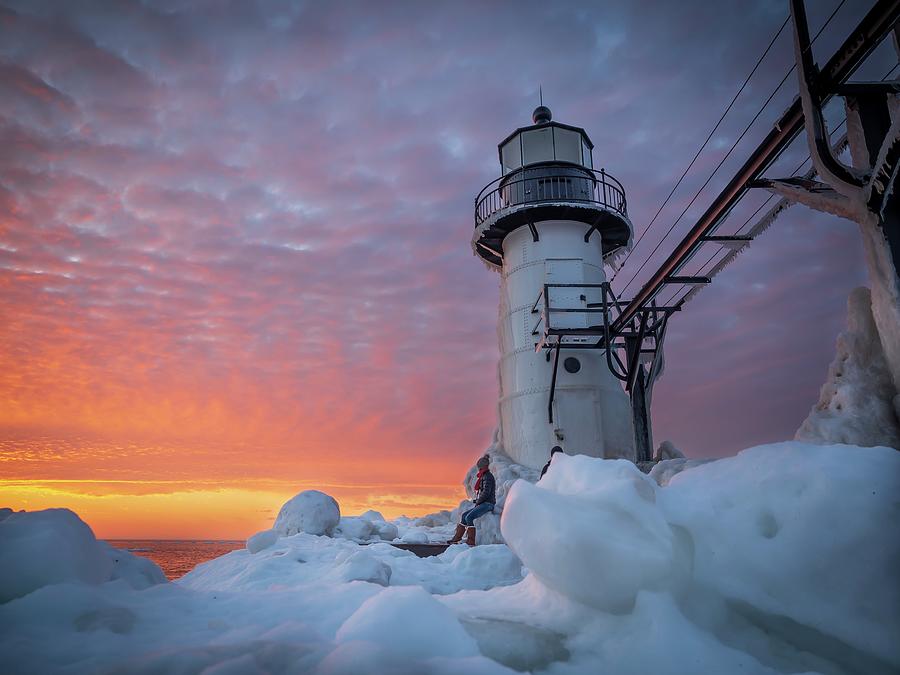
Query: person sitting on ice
(485, 498)
(555, 449)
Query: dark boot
(457, 536)
(470, 536)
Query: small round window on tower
(571, 364)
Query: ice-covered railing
(550, 182)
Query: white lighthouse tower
(546, 224)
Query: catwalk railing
(550, 182)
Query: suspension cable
(728, 154)
(700, 270)
(738, 232)
(705, 142)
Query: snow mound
(261, 541)
(363, 567)
(40, 548)
(372, 516)
(386, 531)
(858, 403)
(592, 531)
(793, 536)
(780, 550)
(48, 547)
(490, 562)
(136, 571)
(355, 528)
(433, 519)
(412, 536)
(369, 527)
(410, 621)
(310, 511)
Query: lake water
(177, 557)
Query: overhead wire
(752, 216)
(727, 154)
(738, 232)
(707, 140)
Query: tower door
(566, 271)
(577, 418)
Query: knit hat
(484, 462)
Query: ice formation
(778, 560)
(667, 450)
(310, 511)
(858, 403)
(613, 498)
(55, 546)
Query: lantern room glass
(537, 146)
(567, 145)
(549, 143)
(511, 154)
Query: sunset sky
(234, 241)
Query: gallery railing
(551, 182)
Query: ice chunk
(372, 516)
(354, 527)
(48, 547)
(798, 538)
(410, 622)
(386, 531)
(592, 531)
(261, 541)
(361, 566)
(310, 511)
(489, 562)
(414, 537)
(138, 572)
(434, 519)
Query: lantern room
(545, 141)
(547, 175)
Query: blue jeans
(468, 518)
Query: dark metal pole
(640, 415)
(633, 347)
(553, 380)
(809, 79)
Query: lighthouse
(546, 225)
